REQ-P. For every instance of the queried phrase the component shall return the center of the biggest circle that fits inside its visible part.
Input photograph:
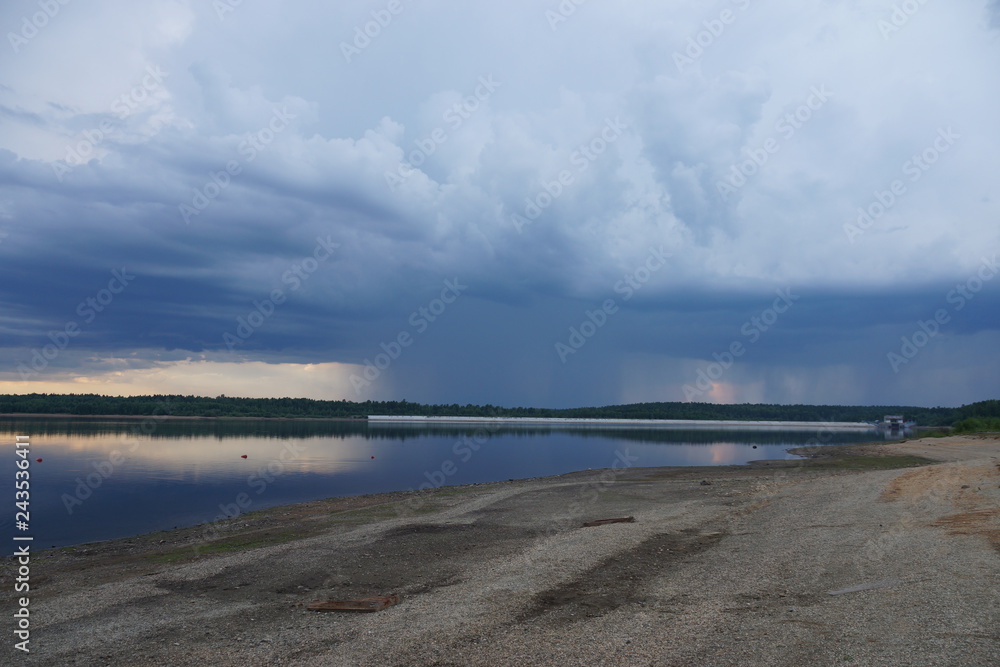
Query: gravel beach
(864, 555)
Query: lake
(102, 478)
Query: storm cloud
(549, 204)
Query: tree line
(227, 406)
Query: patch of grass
(978, 425)
(369, 514)
(224, 546)
(427, 508)
(386, 510)
(865, 462)
(455, 491)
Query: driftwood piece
(601, 522)
(376, 603)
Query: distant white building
(893, 422)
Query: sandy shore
(837, 560)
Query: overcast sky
(518, 203)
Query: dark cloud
(262, 143)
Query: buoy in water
(243, 456)
(38, 460)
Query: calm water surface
(103, 479)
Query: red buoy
(39, 460)
(244, 456)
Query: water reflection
(179, 428)
(103, 478)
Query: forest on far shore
(984, 415)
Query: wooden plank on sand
(601, 522)
(376, 603)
